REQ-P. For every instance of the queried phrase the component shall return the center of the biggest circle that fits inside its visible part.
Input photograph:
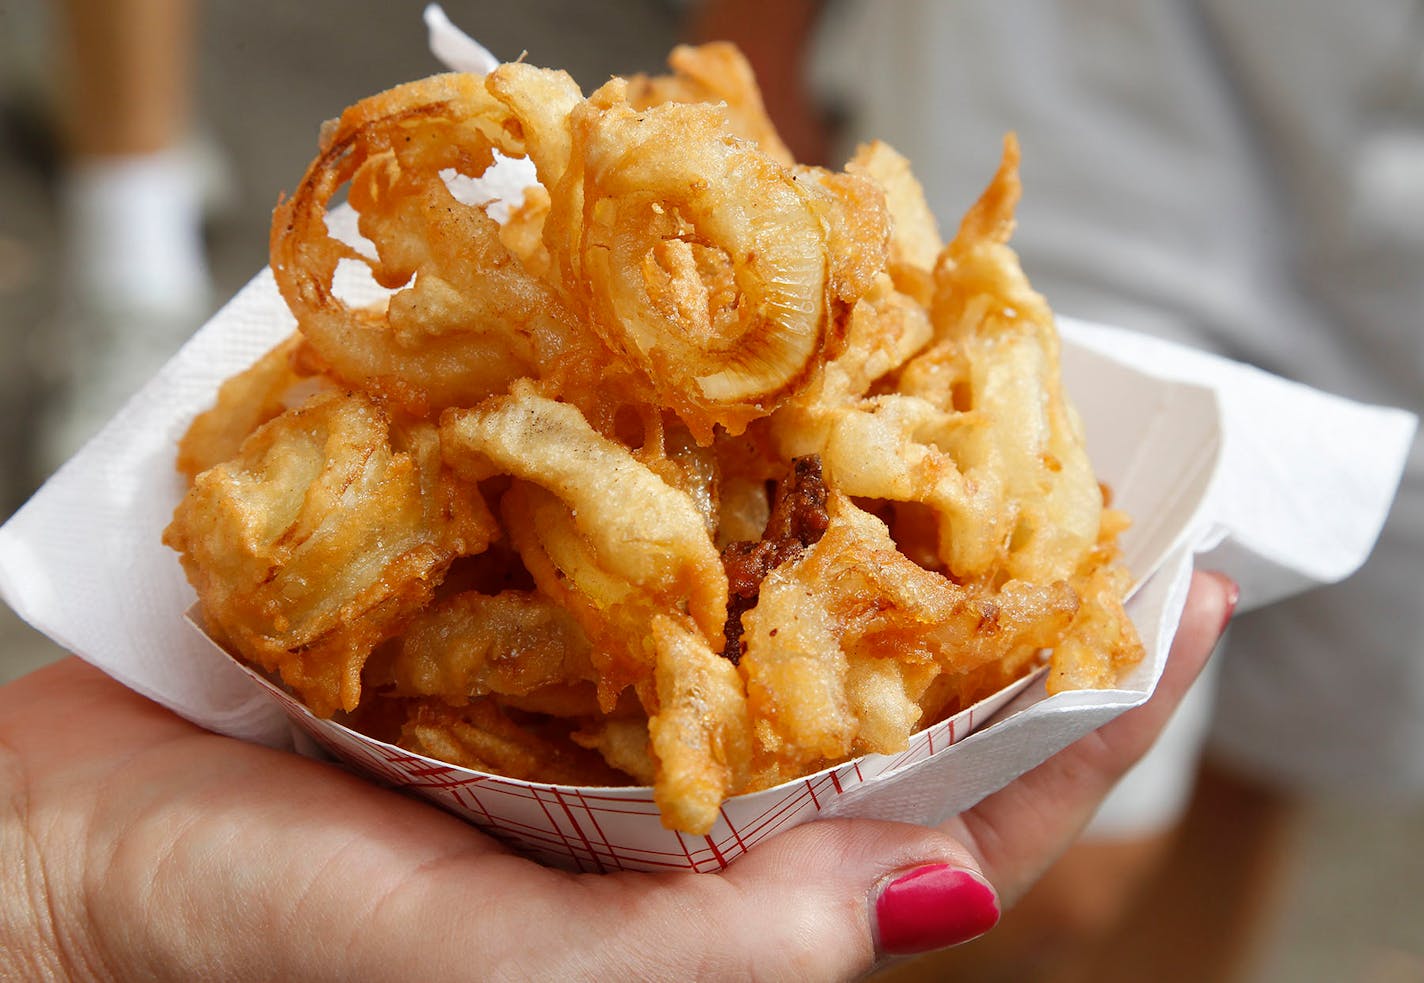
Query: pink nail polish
(933, 907)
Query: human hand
(138, 845)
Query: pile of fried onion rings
(699, 468)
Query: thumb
(822, 901)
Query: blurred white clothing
(137, 284)
(1244, 177)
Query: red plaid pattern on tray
(599, 830)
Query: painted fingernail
(1232, 590)
(932, 907)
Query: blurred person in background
(130, 202)
(1245, 178)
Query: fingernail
(932, 907)
(1232, 590)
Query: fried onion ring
(701, 260)
(661, 546)
(245, 402)
(852, 597)
(472, 319)
(701, 733)
(326, 532)
(512, 643)
(714, 72)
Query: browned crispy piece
(329, 530)
(798, 519)
(714, 72)
(482, 736)
(845, 639)
(513, 643)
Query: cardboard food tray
(1159, 445)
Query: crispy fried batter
(715, 72)
(513, 643)
(798, 519)
(486, 738)
(328, 530)
(245, 402)
(673, 322)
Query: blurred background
(1342, 899)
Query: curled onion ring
(565, 567)
(892, 447)
(702, 260)
(471, 318)
(471, 644)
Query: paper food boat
(1159, 467)
(606, 829)
(1284, 486)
